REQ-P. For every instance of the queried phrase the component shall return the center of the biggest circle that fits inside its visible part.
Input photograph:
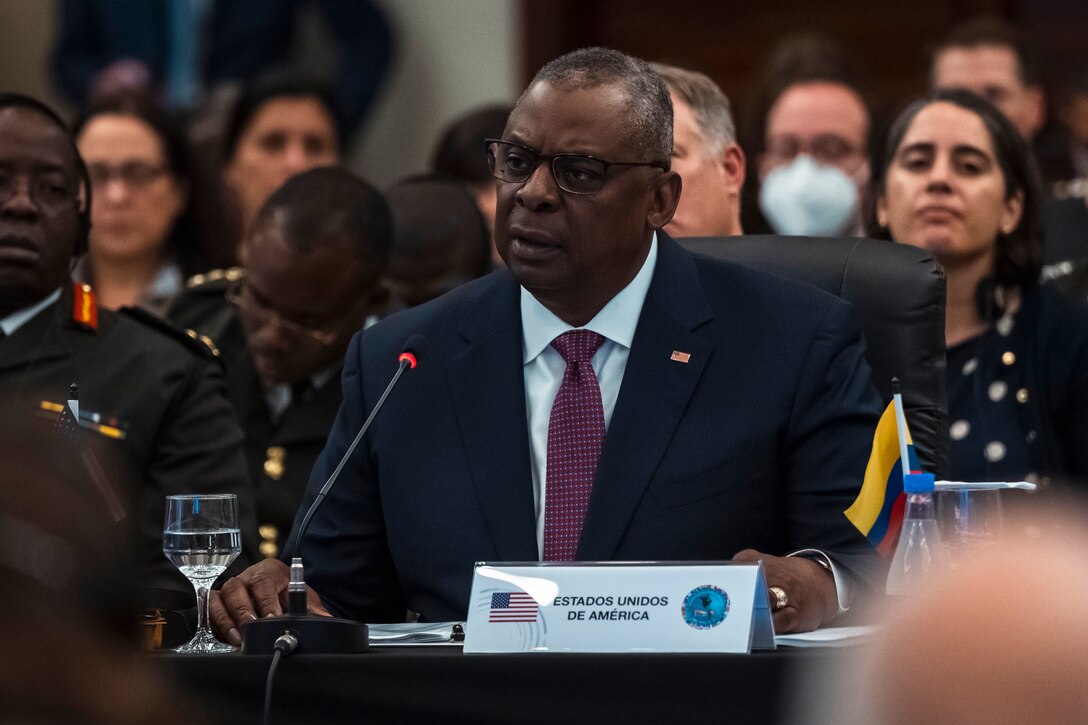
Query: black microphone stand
(297, 629)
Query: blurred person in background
(151, 399)
(706, 154)
(813, 134)
(1074, 117)
(459, 156)
(279, 127)
(998, 640)
(68, 617)
(181, 52)
(994, 59)
(155, 216)
(314, 260)
(1065, 221)
(440, 240)
(956, 178)
(998, 61)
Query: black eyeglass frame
(326, 335)
(552, 158)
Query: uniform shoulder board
(201, 344)
(214, 278)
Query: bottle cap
(918, 483)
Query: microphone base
(316, 635)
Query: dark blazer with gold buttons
(280, 453)
(1043, 361)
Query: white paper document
(388, 635)
(827, 637)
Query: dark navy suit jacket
(759, 441)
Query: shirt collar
(15, 320)
(616, 321)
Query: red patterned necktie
(575, 439)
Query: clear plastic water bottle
(919, 555)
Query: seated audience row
(321, 250)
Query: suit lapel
(653, 397)
(488, 386)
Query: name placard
(618, 607)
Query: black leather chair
(899, 294)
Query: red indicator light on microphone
(408, 357)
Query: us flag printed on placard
(512, 607)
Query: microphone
(408, 359)
(324, 635)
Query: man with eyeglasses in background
(608, 396)
(311, 278)
(812, 158)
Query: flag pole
(901, 428)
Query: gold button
(273, 464)
(269, 550)
(268, 532)
(1022, 395)
(209, 344)
(1009, 357)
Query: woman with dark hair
(957, 179)
(155, 218)
(281, 126)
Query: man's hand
(809, 588)
(259, 591)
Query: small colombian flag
(878, 510)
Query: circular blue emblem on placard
(705, 607)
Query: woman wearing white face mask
(814, 170)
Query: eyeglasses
(573, 173)
(827, 148)
(241, 296)
(133, 174)
(50, 190)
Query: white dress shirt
(17, 319)
(278, 398)
(544, 366)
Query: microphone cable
(285, 645)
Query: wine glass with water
(201, 538)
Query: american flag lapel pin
(680, 357)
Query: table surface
(441, 685)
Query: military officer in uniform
(313, 263)
(153, 414)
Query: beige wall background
(452, 55)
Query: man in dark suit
(153, 415)
(716, 408)
(312, 277)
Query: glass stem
(201, 605)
